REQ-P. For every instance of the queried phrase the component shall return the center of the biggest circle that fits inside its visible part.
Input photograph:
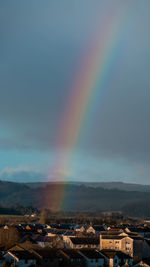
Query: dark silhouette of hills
(105, 185)
(76, 198)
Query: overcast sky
(42, 43)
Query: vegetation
(139, 208)
(77, 198)
(9, 236)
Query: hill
(105, 185)
(77, 198)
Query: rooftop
(85, 240)
(91, 254)
(112, 253)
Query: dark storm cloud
(40, 50)
(123, 126)
(42, 43)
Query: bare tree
(5, 264)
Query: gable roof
(99, 227)
(116, 237)
(147, 261)
(22, 254)
(91, 253)
(71, 253)
(110, 253)
(48, 253)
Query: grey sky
(41, 46)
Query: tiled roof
(116, 237)
(98, 227)
(84, 240)
(47, 253)
(147, 261)
(22, 254)
(72, 253)
(111, 232)
(112, 253)
(91, 254)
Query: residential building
(116, 258)
(83, 242)
(92, 258)
(21, 258)
(95, 229)
(48, 257)
(71, 258)
(130, 244)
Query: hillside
(77, 198)
(105, 185)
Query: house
(131, 244)
(143, 231)
(143, 263)
(50, 241)
(115, 258)
(69, 233)
(71, 258)
(28, 227)
(48, 257)
(92, 257)
(50, 232)
(6, 227)
(33, 215)
(111, 239)
(67, 241)
(61, 226)
(79, 228)
(60, 232)
(83, 242)
(96, 229)
(48, 226)
(27, 245)
(21, 258)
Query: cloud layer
(41, 49)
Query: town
(37, 244)
(74, 133)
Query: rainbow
(95, 68)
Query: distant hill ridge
(106, 185)
(78, 197)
